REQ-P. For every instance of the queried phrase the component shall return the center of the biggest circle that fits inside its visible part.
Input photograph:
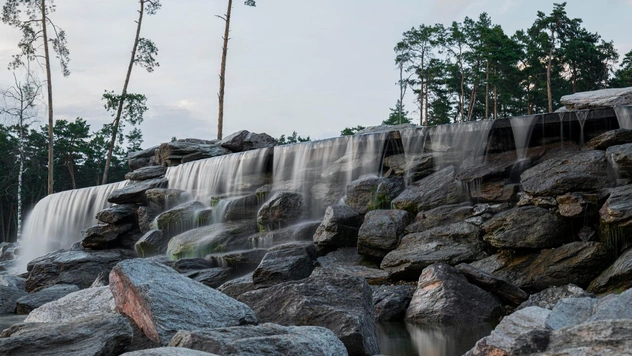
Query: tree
(71, 144)
(397, 116)
(222, 70)
(131, 107)
(34, 28)
(293, 138)
(623, 75)
(349, 131)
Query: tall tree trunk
(121, 102)
(401, 92)
(49, 86)
(495, 97)
(222, 72)
(20, 180)
(548, 72)
(426, 96)
(462, 89)
(487, 90)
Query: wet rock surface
(27, 303)
(281, 210)
(391, 301)
(283, 263)
(440, 188)
(381, 232)
(339, 228)
(373, 193)
(134, 193)
(615, 278)
(83, 304)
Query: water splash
(624, 116)
(57, 220)
(582, 115)
(522, 127)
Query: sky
(314, 67)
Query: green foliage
(293, 138)
(397, 116)
(623, 76)
(348, 131)
(146, 54)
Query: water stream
(581, 117)
(458, 142)
(624, 116)
(522, 127)
(561, 115)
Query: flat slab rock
(597, 99)
(29, 302)
(86, 303)
(168, 351)
(154, 296)
(264, 339)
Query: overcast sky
(314, 67)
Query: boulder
(179, 219)
(134, 193)
(144, 173)
(578, 205)
(348, 261)
(240, 208)
(264, 339)
(603, 98)
(443, 215)
(216, 238)
(452, 244)
(238, 286)
(604, 337)
(340, 303)
(9, 280)
(569, 312)
(186, 265)
(303, 231)
(505, 291)
(614, 306)
(526, 227)
(166, 198)
(27, 303)
(391, 301)
(445, 297)
(285, 263)
(245, 141)
(372, 193)
(615, 278)
(440, 188)
(212, 277)
(118, 214)
(146, 216)
(412, 165)
(615, 219)
(102, 237)
(104, 334)
(173, 153)
(8, 297)
(620, 157)
(168, 351)
(579, 172)
(521, 333)
(381, 232)
(152, 243)
(609, 138)
(245, 260)
(153, 296)
(79, 267)
(84, 304)
(339, 228)
(281, 210)
(549, 297)
(142, 158)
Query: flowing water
(624, 116)
(581, 117)
(561, 115)
(454, 143)
(522, 127)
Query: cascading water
(414, 141)
(522, 127)
(561, 115)
(624, 116)
(57, 220)
(459, 141)
(581, 117)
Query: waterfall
(624, 116)
(57, 220)
(522, 127)
(561, 115)
(454, 143)
(581, 117)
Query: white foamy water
(624, 116)
(522, 127)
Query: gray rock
(264, 339)
(339, 228)
(578, 205)
(152, 243)
(372, 193)
(146, 216)
(381, 232)
(166, 198)
(153, 295)
(84, 304)
(413, 165)
(27, 303)
(597, 99)
(118, 214)
(245, 141)
(285, 263)
(134, 193)
(620, 157)
(238, 286)
(186, 265)
(521, 333)
(145, 173)
(216, 238)
(168, 351)
(340, 303)
(615, 278)
(604, 337)
(549, 297)
(440, 188)
(212, 277)
(9, 280)
(614, 307)
(348, 261)
(615, 218)
(102, 237)
(526, 227)
(452, 244)
(8, 297)
(580, 172)
(610, 138)
(179, 219)
(303, 231)
(79, 267)
(443, 215)
(391, 302)
(281, 210)
(142, 158)
(504, 290)
(173, 153)
(245, 260)
(241, 208)
(445, 297)
(569, 312)
(100, 335)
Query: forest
(469, 70)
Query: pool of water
(405, 339)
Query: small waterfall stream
(624, 116)
(522, 127)
(581, 118)
(459, 141)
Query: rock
(134, 193)
(549, 297)
(212, 277)
(303, 231)
(149, 172)
(179, 219)
(246, 260)
(9, 280)
(452, 244)
(238, 286)
(166, 198)
(577, 205)
(615, 278)
(8, 297)
(603, 98)
(493, 191)
(102, 237)
(340, 303)
(437, 189)
(615, 218)
(613, 307)
(609, 138)
(27, 303)
(339, 228)
(413, 166)
(580, 172)
(391, 302)
(285, 263)
(521, 333)
(264, 339)
(146, 216)
(381, 232)
(105, 334)
(505, 291)
(348, 261)
(168, 351)
(84, 304)
(240, 208)
(152, 243)
(372, 193)
(142, 158)
(569, 312)
(605, 337)
(118, 214)
(577, 263)
(245, 141)
(620, 157)
(173, 153)
(445, 297)
(216, 238)
(525, 227)
(153, 295)
(79, 267)
(281, 210)
(186, 265)
(443, 215)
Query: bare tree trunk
(487, 90)
(462, 89)
(427, 105)
(20, 179)
(119, 110)
(222, 72)
(548, 72)
(495, 98)
(401, 92)
(49, 86)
